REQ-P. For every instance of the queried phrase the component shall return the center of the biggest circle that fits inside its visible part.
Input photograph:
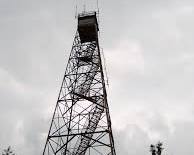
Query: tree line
(154, 149)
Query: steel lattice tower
(81, 122)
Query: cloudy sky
(149, 51)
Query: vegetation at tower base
(156, 149)
(8, 151)
(81, 123)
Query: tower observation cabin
(88, 27)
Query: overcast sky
(149, 51)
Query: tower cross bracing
(81, 123)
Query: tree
(159, 148)
(156, 149)
(8, 151)
(153, 149)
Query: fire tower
(81, 123)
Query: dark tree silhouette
(156, 149)
(153, 149)
(8, 151)
(159, 148)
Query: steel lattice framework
(81, 122)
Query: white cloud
(126, 56)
